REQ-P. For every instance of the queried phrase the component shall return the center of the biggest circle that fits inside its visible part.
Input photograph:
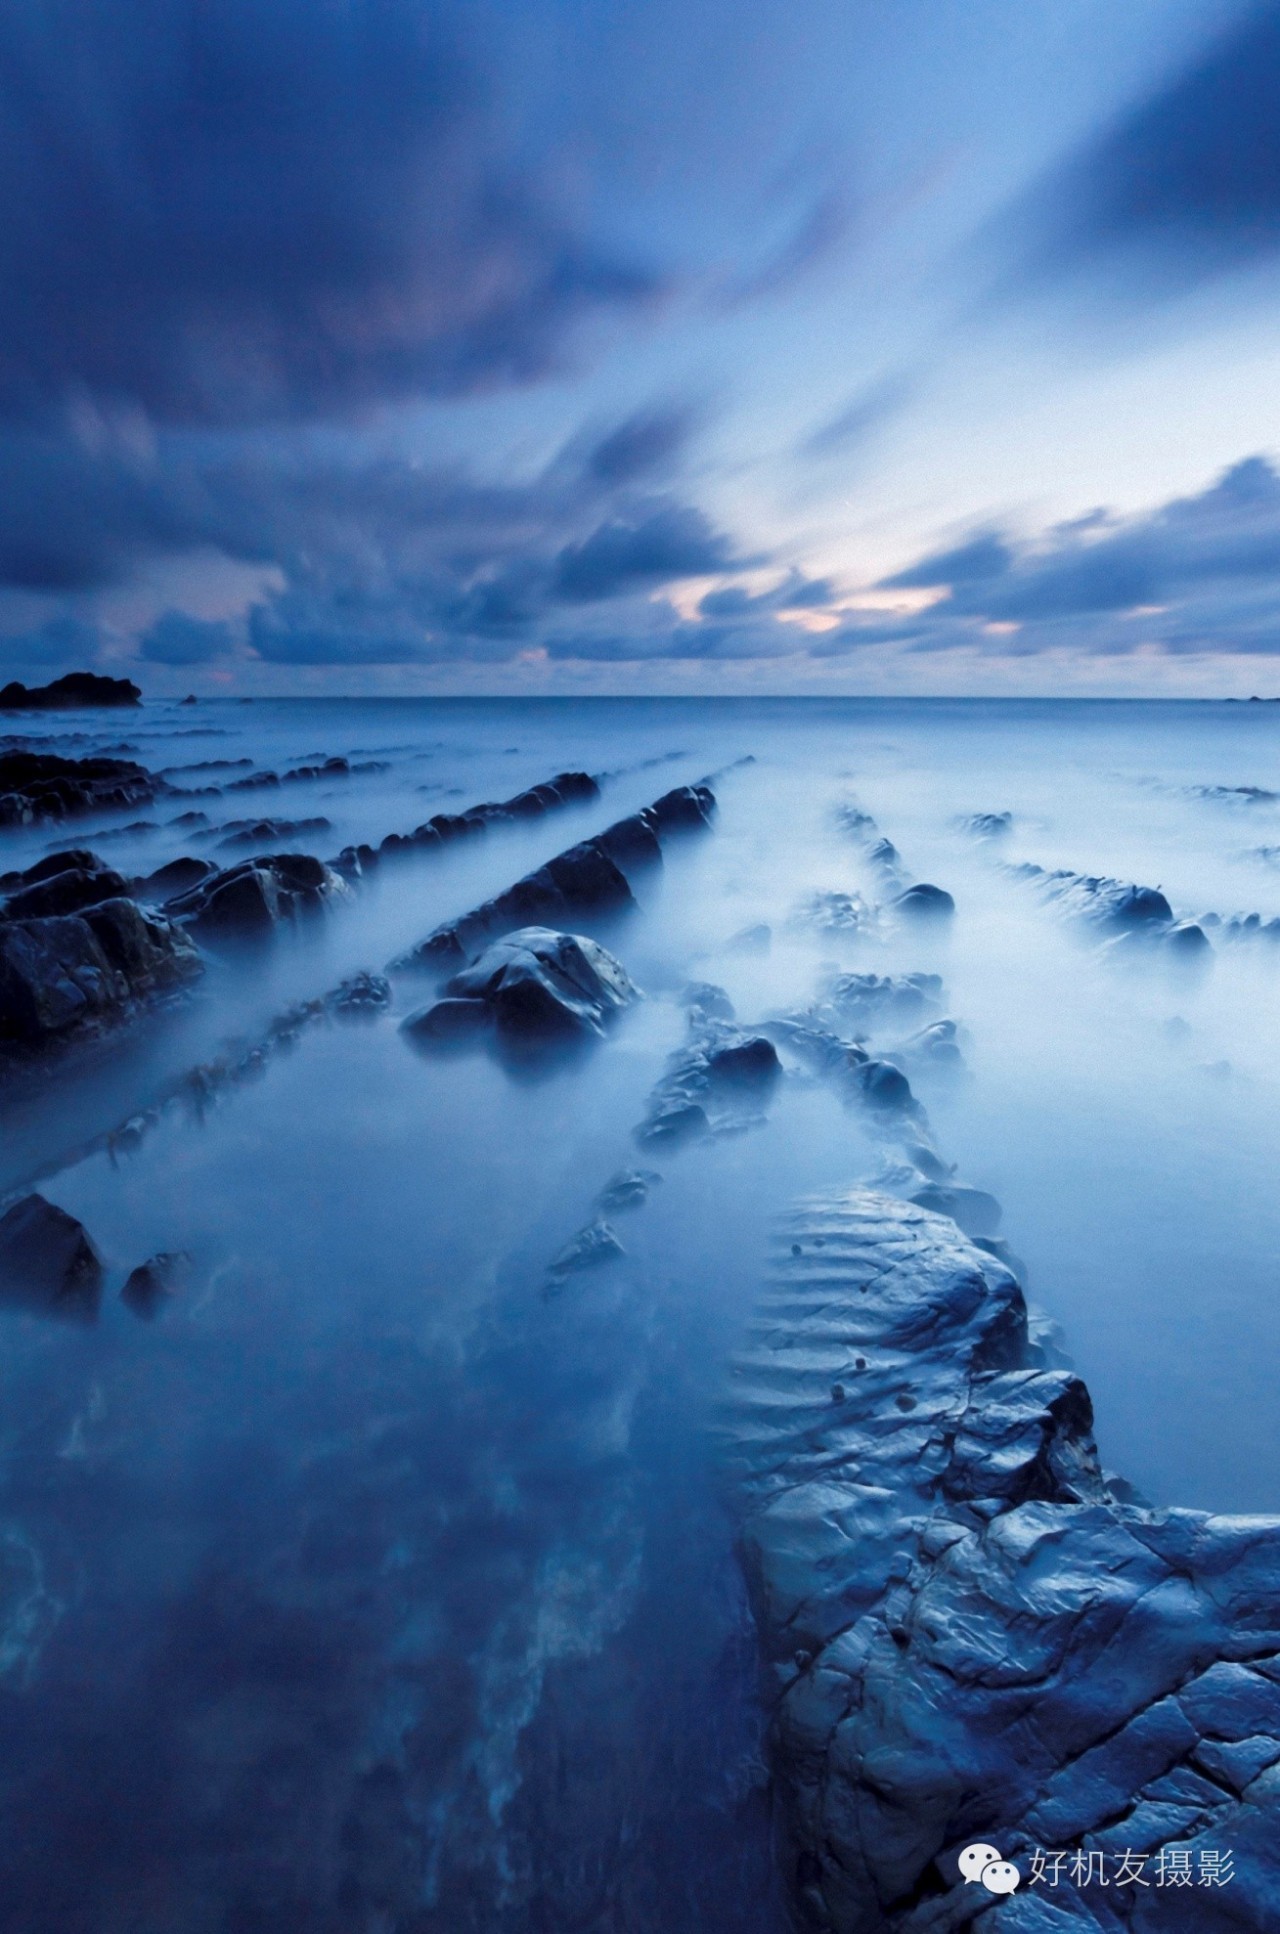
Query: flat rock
(47, 1261)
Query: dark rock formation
(1117, 909)
(925, 902)
(47, 1262)
(918, 901)
(64, 889)
(153, 1286)
(266, 832)
(63, 975)
(869, 1003)
(38, 786)
(630, 1188)
(987, 825)
(972, 1633)
(567, 788)
(178, 876)
(719, 1083)
(534, 985)
(588, 881)
(71, 691)
(253, 898)
(589, 1249)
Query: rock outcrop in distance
(442, 829)
(78, 955)
(72, 692)
(916, 900)
(534, 986)
(588, 881)
(972, 1632)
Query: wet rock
(925, 902)
(974, 1634)
(361, 997)
(717, 1084)
(66, 890)
(748, 1064)
(870, 1003)
(66, 974)
(45, 869)
(586, 882)
(534, 985)
(38, 786)
(987, 825)
(70, 692)
(266, 832)
(673, 1120)
(1125, 913)
(589, 1249)
(447, 1021)
(630, 1188)
(154, 1286)
(253, 898)
(47, 1261)
(178, 876)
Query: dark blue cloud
(176, 639)
(234, 209)
(649, 440)
(974, 562)
(1187, 182)
(624, 554)
(61, 642)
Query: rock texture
(253, 898)
(71, 691)
(47, 1262)
(588, 881)
(38, 786)
(443, 829)
(972, 1633)
(1121, 912)
(535, 985)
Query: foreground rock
(972, 1633)
(69, 693)
(534, 986)
(47, 1262)
(155, 1285)
(251, 899)
(68, 975)
(588, 881)
(719, 1083)
(39, 786)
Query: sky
(641, 346)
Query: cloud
(61, 642)
(672, 541)
(858, 419)
(1185, 184)
(647, 441)
(236, 210)
(975, 561)
(176, 639)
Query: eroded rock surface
(1119, 910)
(47, 1262)
(973, 1634)
(37, 786)
(65, 975)
(533, 986)
(257, 895)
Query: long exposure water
(385, 1585)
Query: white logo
(988, 1866)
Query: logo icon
(988, 1866)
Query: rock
(38, 786)
(46, 868)
(925, 902)
(628, 1189)
(751, 940)
(586, 882)
(360, 997)
(672, 1120)
(179, 876)
(836, 913)
(710, 1002)
(154, 1285)
(66, 891)
(47, 1261)
(253, 898)
(62, 975)
(534, 985)
(987, 825)
(872, 1002)
(267, 832)
(71, 691)
(751, 1064)
(592, 1246)
(974, 1635)
(448, 1021)
(973, 1210)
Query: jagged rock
(37, 786)
(592, 1246)
(253, 898)
(871, 1002)
(154, 1285)
(628, 1189)
(586, 882)
(64, 890)
(47, 1261)
(71, 691)
(973, 1633)
(68, 973)
(534, 985)
(748, 1064)
(718, 1083)
(987, 825)
(45, 869)
(925, 902)
(836, 913)
(938, 1045)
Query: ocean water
(386, 1584)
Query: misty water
(388, 1584)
